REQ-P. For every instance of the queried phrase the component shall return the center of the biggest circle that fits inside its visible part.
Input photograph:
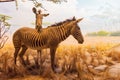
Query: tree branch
(6, 0)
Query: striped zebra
(49, 38)
(38, 26)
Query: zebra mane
(62, 22)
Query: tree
(4, 27)
(36, 3)
(54, 1)
(6, 0)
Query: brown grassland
(93, 60)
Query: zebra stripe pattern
(49, 38)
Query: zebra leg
(40, 59)
(52, 54)
(39, 56)
(24, 48)
(15, 54)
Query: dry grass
(73, 61)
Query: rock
(113, 71)
(114, 52)
(101, 67)
(95, 62)
(58, 70)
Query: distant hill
(104, 33)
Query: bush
(117, 33)
(99, 33)
(102, 33)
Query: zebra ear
(34, 10)
(74, 18)
(79, 20)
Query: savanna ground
(98, 58)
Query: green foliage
(39, 4)
(57, 1)
(6, 17)
(99, 33)
(102, 33)
(4, 27)
(117, 33)
(3, 18)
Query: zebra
(38, 27)
(50, 37)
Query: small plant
(4, 27)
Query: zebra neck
(65, 33)
(38, 27)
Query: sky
(98, 14)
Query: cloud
(61, 11)
(24, 14)
(104, 17)
(98, 14)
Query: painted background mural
(97, 57)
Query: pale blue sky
(98, 14)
